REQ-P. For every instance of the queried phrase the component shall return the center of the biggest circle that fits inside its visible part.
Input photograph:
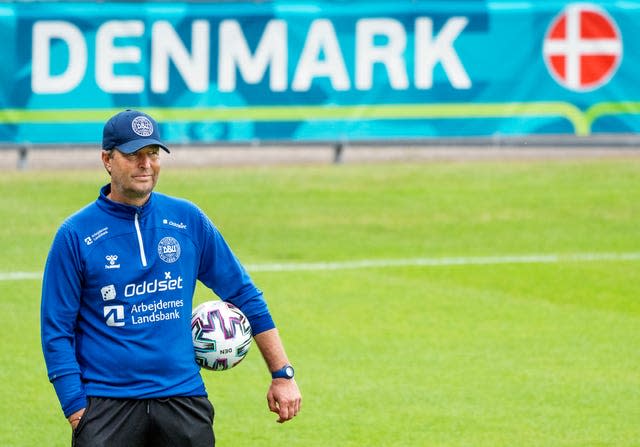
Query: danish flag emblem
(583, 47)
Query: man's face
(133, 176)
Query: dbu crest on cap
(142, 126)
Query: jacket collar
(121, 209)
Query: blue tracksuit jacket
(117, 299)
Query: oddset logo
(583, 47)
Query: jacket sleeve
(61, 290)
(221, 271)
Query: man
(127, 381)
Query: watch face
(289, 371)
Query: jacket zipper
(143, 257)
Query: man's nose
(144, 160)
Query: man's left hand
(284, 398)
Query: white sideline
(408, 262)
(446, 261)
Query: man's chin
(140, 191)
(144, 185)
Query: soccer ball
(221, 335)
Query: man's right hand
(74, 419)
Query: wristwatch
(286, 372)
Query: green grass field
(471, 340)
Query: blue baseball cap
(130, 131)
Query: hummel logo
(112, 262)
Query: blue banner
(321, 70)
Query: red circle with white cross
(583, 47)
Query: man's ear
(106, 161)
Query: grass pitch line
(408, 262)
(19, 276)
(447, 261)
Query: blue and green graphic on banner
(320, 71)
